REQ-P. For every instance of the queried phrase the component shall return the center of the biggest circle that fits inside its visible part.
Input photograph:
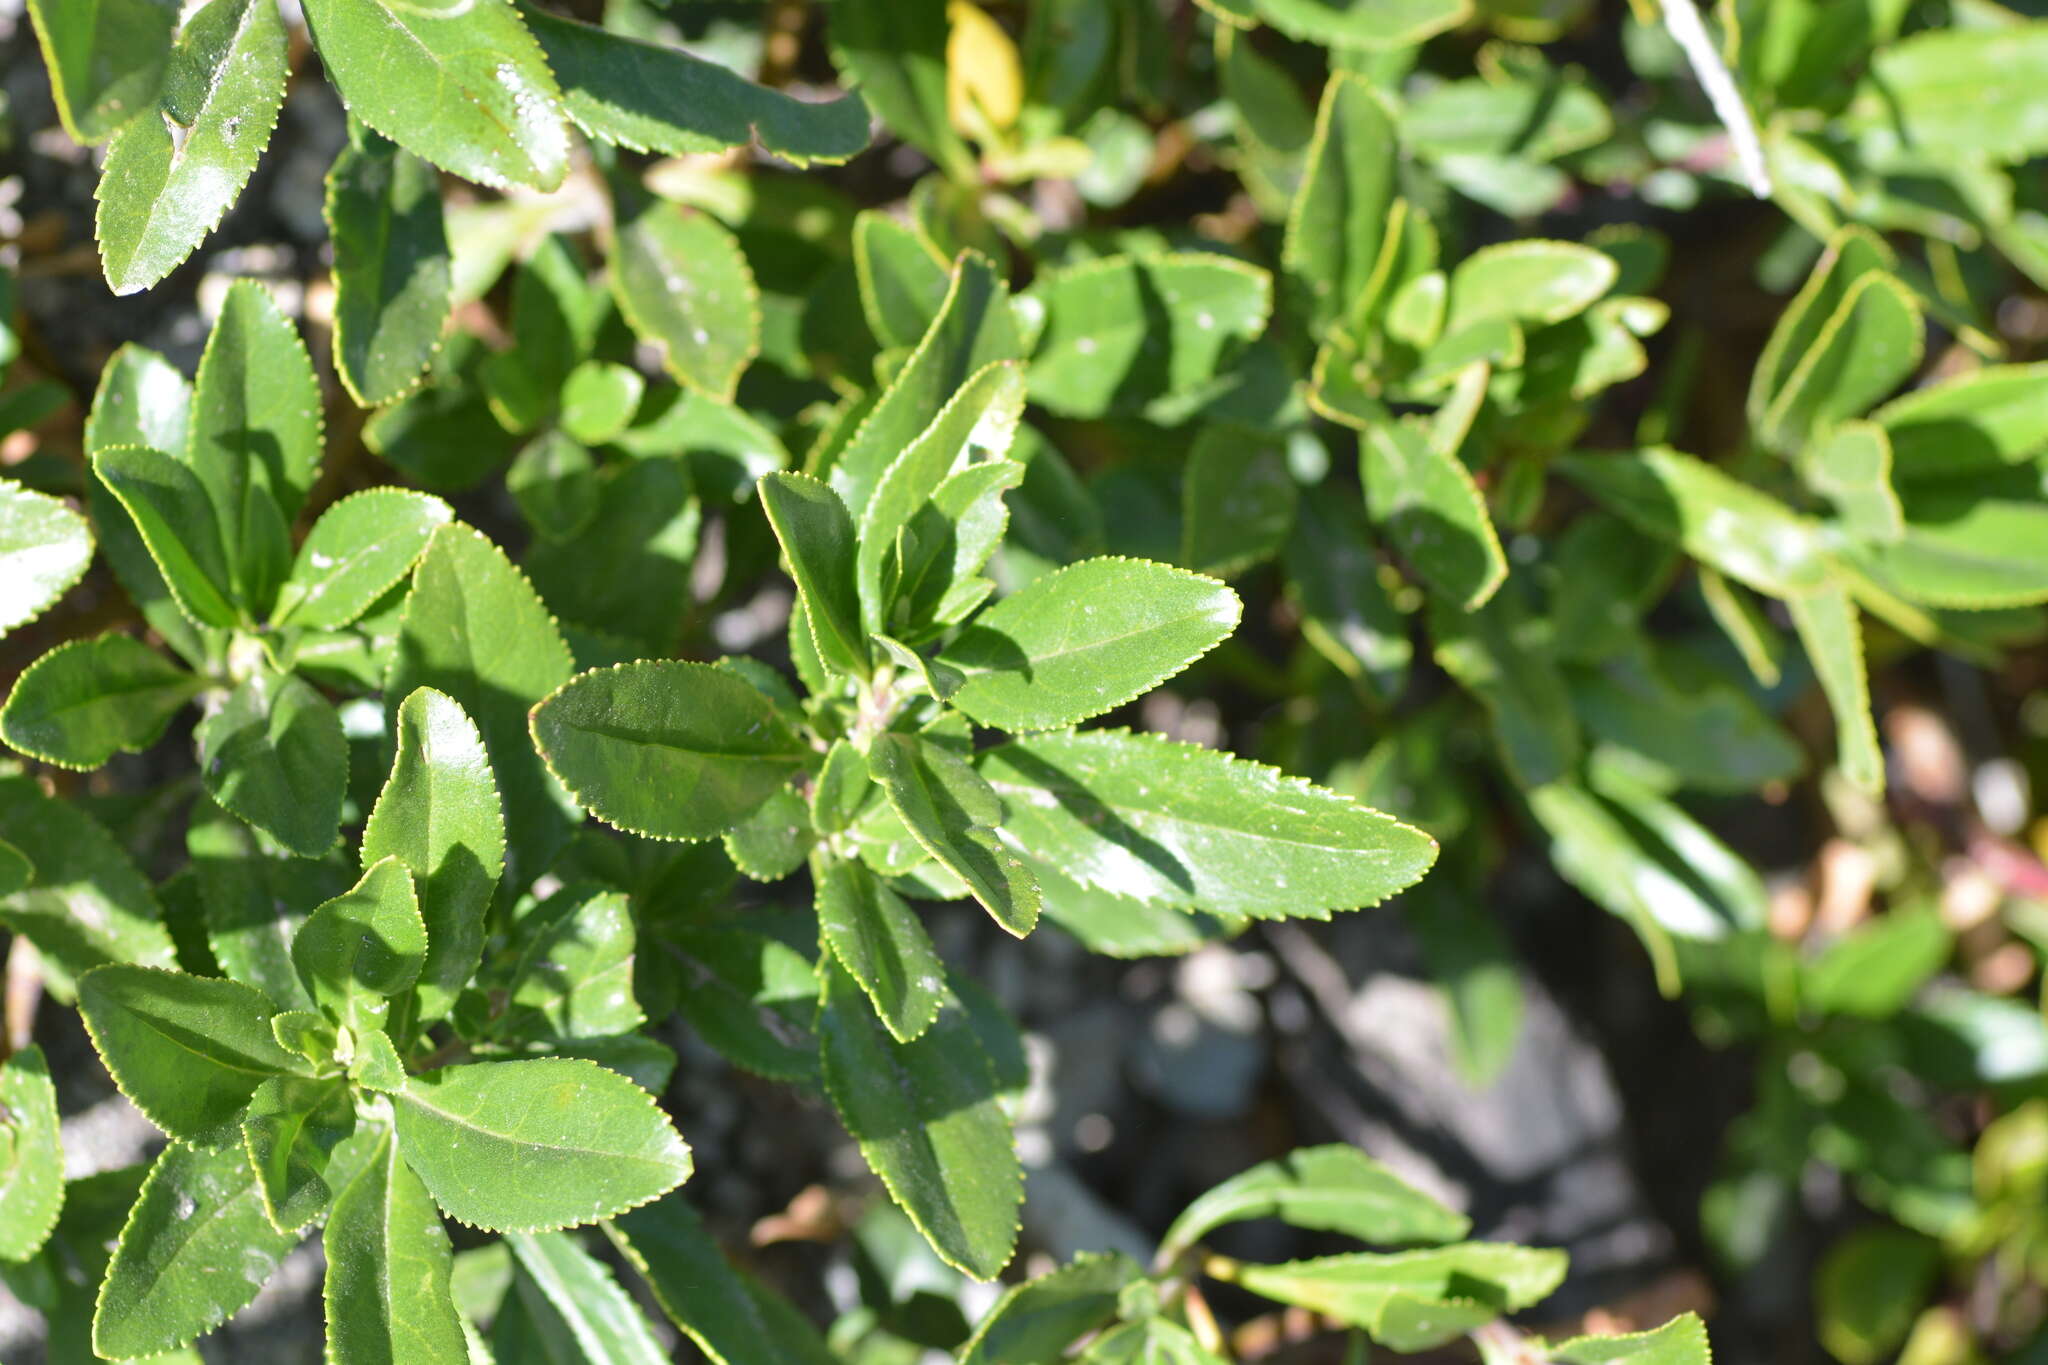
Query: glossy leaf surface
(535, 1145)
(1179, 825)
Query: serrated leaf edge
(552, 93)
(14, 486)
(833, 1092)
(380, 491)
(548, 762)
(636, 320)
(191, 685)
(1236, 618)
(129, 284)
(689, 1156)
(290, 330)
(92, 1033)
(336, 344)
(121, 1242)
(38, 1236)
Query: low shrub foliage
(1294, 355)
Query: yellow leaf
(984, 79)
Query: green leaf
(575, 977)
(1851, 466)
(170, 508)
(975, 326)
(950, 541)
(1338, 244)
(666, 749)
(361, 548)
(1874, 970)
(88, 904)
(1869, 1289)
(1867, 347)
(1409, 1323)
(599, 399)
(817, 537)
(1356, 1288)
(655, 98)
(928, 1121)
(291, 1130)
(1748, 535)
(729, 1317)
(1330, 1189)
(31, 1155)
(366, 945)
(1624, 863)
(1533, 282)
(1124, 331)
(1175, 824)
(1728, 743)
(627, 571)
(903, 278)
(1333, 577)
(172, 173)
(1966, 543)
(749, 996)
(274, 754)
(1967, 1038)
(1274, 118)
(1961, 94)
(255, 439)
(305, 1034)
(1118, 926)
(376, 1064)
(1153, 1340)
(1478, 976)
(1035, 1322)
(530, 1146)
(1833, 640)
(444, 434)
(474, 630)
(197, 1246)
(463, 85)
(438, 814)
(1237, 501)
(684, 286)
(16, 872)
(1977, 422)
(895, 52)
(1372, 24)
(952, 813)
(553, 479)
(1536, 114)
(87, 700)
(1850, 255)
(1431, 513)
(393, 271)
(106, 59)
(603, 1320)
(188, 1050)
(882, 944)
(1086, 639)
(840, 789)
(558, 312)
(726, 448)
(255, 901)
(906, 532)
(388, 1267)
(772, 842)
(141, 400)
(1681, 1341)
